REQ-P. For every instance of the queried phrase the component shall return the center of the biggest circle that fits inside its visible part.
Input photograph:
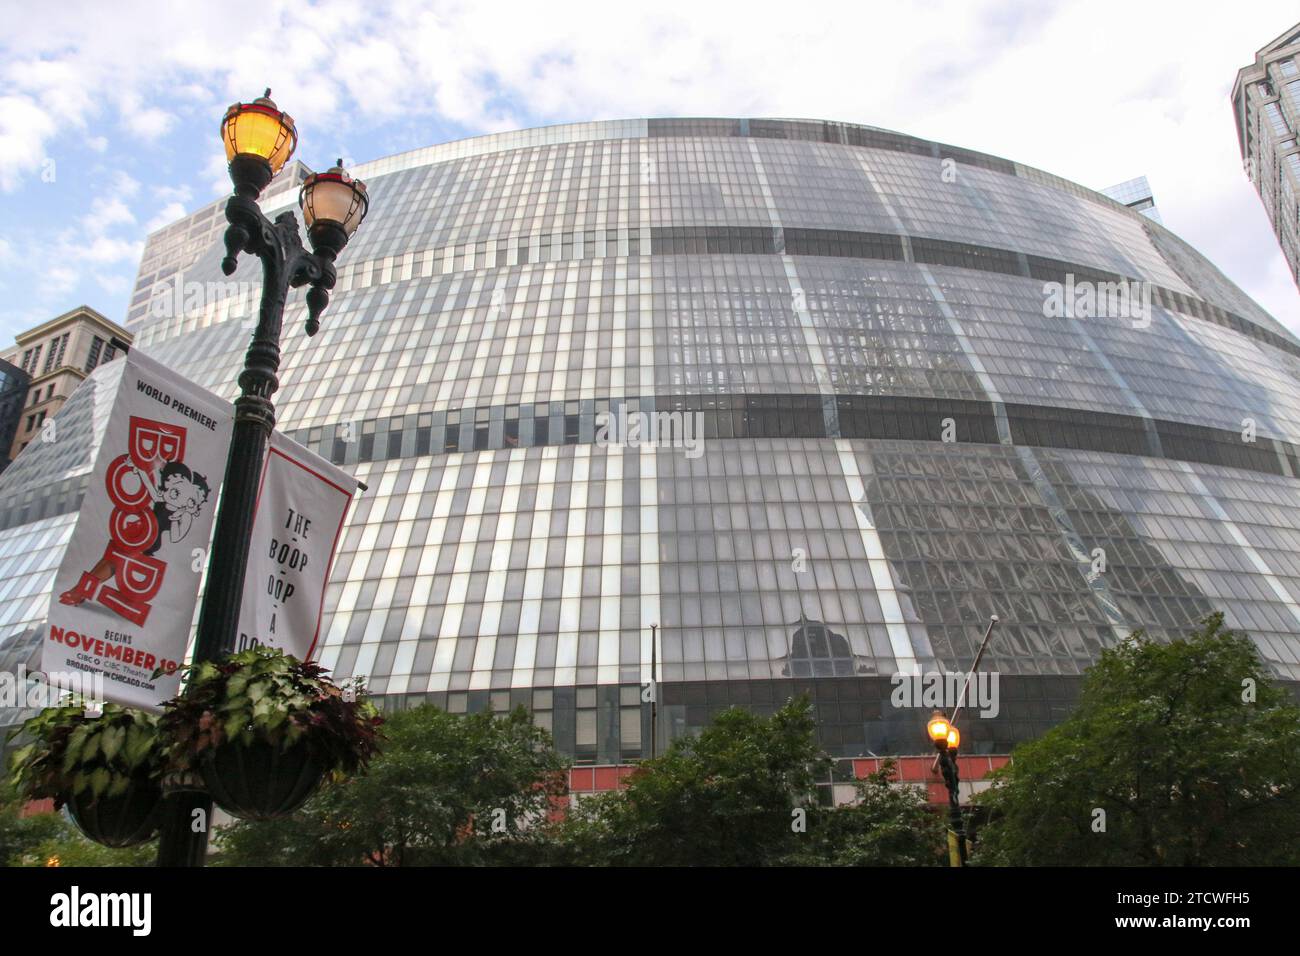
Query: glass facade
(13, 399)
(1136, 194)
(893, 436)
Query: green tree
(37, 839)
(1176, 754)
(20, 836)
(445, 789)
(886, 825)
(727, 797)
(70, 848)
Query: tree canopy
(444, 789)
(1176, 754)
(744, 793)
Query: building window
(1275, 119)
(480, 429)
(96, 346)
(54, 356)
(451, 436)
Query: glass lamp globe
(258, 129)
(938, 728)
(333, 205)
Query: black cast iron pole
(286, 264)
(654, 691)
(952, 779)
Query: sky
(109, 113)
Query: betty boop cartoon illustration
(178, 496)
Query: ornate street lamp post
(259, 140)
(947, 740)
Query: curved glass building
(814, 399)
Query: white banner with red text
(125, 593)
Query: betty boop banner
(125, 593)
(301, 506)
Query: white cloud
(165, 217)
(105, 250)
(181, 193)
(149, 123)
(1096, 91)
(59, 280)
(24, 128)
(195, 92)
(217, 174)
(101, 247)
(105, 214)
(113, 283)
(124, 184)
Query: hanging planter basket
(106, 769)
(260, 781)
(128, 819)
(263, 729)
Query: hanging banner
(125, 593)
(301, 506)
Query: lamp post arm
(961, 697)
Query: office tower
(56, 356)
(1137, 195)
(1266, 103)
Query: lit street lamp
(259, 140)
(947, 740)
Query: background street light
(947, 739)
(259, 140)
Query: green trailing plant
(264, 696)
(72, 756)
